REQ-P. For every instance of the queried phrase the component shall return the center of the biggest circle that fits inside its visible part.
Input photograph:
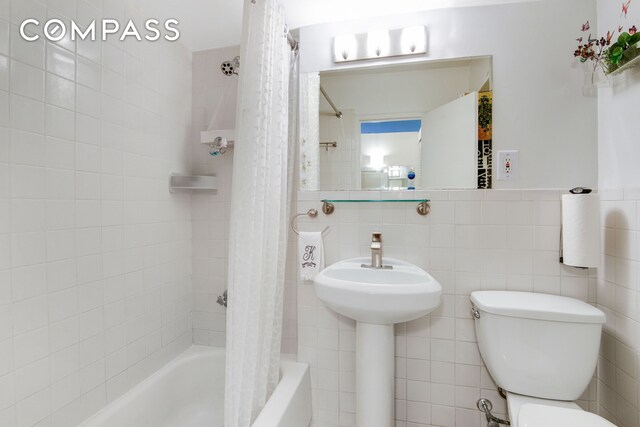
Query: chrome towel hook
(311, 213)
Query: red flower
(633, 30)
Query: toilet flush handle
(475, 312)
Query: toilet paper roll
(581, 230)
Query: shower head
(229, 68)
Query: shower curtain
(260, 209)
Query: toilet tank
(536, 344)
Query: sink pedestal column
(375, 374)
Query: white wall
(95, 257)
(392, 93)
(618, 149)
(618, 296)
(479, 73)
(539, 108)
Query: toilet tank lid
(530, 305)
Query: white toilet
(542, 350)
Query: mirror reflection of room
(390, 152)
(413, 126)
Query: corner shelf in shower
(423, 204)
(192, 183)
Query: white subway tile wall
(95, 254)
(214, 107)
(495, 239)
(337, 171)
(619, 297)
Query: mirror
(409, 126)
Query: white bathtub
(189, 392)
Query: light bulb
(378, 43)
(413, 40)
(344, 46)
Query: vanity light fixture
(380, 44)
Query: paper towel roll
(581, 230)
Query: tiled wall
(214, 107)
(471, 240)
(95, 254)
(618, 296)
(337, 164)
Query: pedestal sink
(376, 299)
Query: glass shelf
(375, 200)
(423, 204)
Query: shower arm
(338, 112)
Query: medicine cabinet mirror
(373, 128)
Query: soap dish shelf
(178, 183)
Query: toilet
(542, 351)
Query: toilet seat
(517, 401)
(534, 415)
(527, 411)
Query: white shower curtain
(261, 192)
(310, 132)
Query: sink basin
(378, 296)
(376, 299)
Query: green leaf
(615, 54)
(634, 39)
(623, 38)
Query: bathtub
(189, 392)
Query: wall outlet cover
(507, 165)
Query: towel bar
(312, 213)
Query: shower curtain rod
(293, 43)
(338, 112)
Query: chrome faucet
(376, 250)
(376, 253)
